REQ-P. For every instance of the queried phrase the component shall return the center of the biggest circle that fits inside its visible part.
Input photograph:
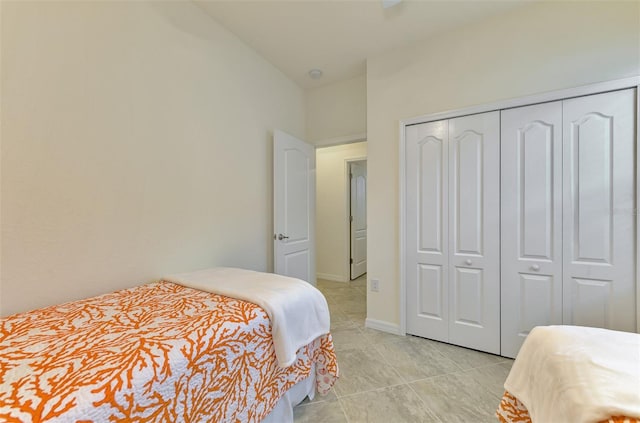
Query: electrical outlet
(375, 285)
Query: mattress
(155, 353)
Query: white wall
(336, 111)
(538, 48)
(332, 209)
(136, 142)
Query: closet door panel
(599, 218)
(531, 196)
(474, 231)
(427, 227)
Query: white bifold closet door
(427, 230)
(599, 211)
(568, 221)
(531, 276)
(453, 230)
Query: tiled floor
(393, 379)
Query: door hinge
(351, 261)
(350, 218)
(351, 175)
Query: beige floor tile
(467, 359)
(360, 282)
(330, 286)
(347, 294)
(334, 308)
(357, 317)
(321, 412)
(340, 321)
(415, 360)
(363, 370)
(352, 306)
(457, 397)
(398, 404)
(331, 396)
(377, 337)
(492, 377)
(349, 339)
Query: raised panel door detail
(426, 241)
(531, 221)
(535, 174)
(591, 303)
(592, 144)
(468, 288)
(536, 302)
(468, 192)
(296, 195)
(430, 291)
(599, 229)
(360, 219)
(297, 264)
(431, 184)
(474, 231)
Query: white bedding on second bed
(577, 374)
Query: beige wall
(136, 141)
(332, 205)
(542, 47)
(336, 111)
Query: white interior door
(294, 196)
(531, 199)
(474, 231)
(427, 222)
(358, 218)
(599, 211)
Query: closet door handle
(468, 262)
(535, 267)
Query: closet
(568, 218)
(453, 186)
(521, 217)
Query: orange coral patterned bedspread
(511, 410)
(155, 353)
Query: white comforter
(297, 310)
(577, 374)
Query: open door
(294, 204)
(358, 196)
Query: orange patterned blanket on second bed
(155, 353)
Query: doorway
(334, 211)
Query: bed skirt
(511, 410)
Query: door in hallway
(358, 217)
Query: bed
(155, 353)
(574, 374)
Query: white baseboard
(382, 326)
(331, 277)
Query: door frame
(615, 85)
(347, 164)
(335, 142)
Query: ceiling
(337, 36)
